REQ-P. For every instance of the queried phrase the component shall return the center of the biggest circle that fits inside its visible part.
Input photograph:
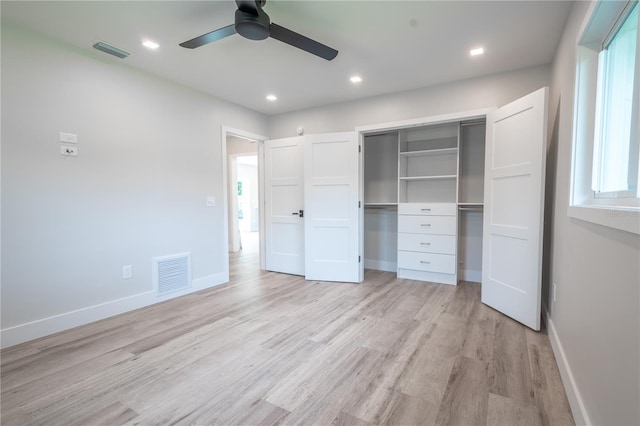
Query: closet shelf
(439, 177)
(429, 152)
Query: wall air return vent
(111, 50)
(171, 273)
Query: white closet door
(332, 211)
(284, 198)
(514, 208)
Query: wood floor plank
(466, 397)
(113, 414)
(22, 399)
(426, 373)
(272, 348)
(402, 409)
(435, 303)
(505, 411)
(549, 391)
(510, 369)
(463, 300)
(480, 332)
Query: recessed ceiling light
(150, 44)
(356, 79)
(272, 98)
(476, 52)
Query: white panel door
(284, 198)
(514, 208)
(332, 209)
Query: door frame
(226, 131)
(372, 129)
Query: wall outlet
(554, 292)
(69, 151)
(211, 201)
(127, 272)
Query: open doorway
(248, 215)
(243, 194)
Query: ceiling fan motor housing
(253, 27)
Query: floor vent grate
(171, 273)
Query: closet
(440, 199)
(423, 192)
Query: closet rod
(473, 123)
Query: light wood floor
(273, 349)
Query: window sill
(622, 218)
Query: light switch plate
(68, 137)
(211, 201)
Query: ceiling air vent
(111, 50)
(171, 273)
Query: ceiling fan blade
(210, 37)
(301, 42)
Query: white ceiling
(393, 45)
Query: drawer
(442, 225)
(427, 243)
(438, 209)
(442, 263)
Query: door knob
(299, 213)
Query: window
(605, 185)
(614, 172)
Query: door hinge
(359, 204)
(359, 148)
(358, 259)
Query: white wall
(490, 91)
(595, 321)
(149, 154)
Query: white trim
(224, 132)
(578, 409)
(618, 213)
(624, 219)
(414, 122)
(43, 327)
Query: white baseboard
(380, 265)
(579, 411)
(43, 327)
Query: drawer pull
(425, 262)
(426, 210)
(425, 224)
(425, 244)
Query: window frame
(616, 210)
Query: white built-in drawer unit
(441, 225)
(427, 235)
(439, 209)
(427, 243)
(429, 262)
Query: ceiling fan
(253, 23)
